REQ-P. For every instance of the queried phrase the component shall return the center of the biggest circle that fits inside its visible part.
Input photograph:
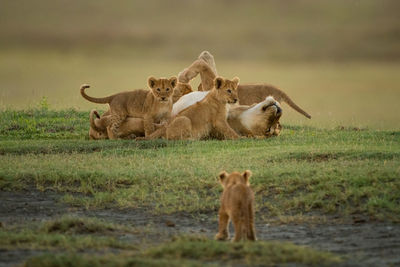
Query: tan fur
(99, 126)
(153, 105)
(180, 90)
(237, 205)
(130, 127)
(209, 59)
(205, 117)
(248, 93)
(254, 93)
(258, 120)
(97, 129)
(199, 66)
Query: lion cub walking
(237, 205)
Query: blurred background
(338, 60)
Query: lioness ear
(173, 80)
(236, 81)
(219, 82)
(247, 174)
(222, 175)
(152, 82)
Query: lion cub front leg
(222, 226)
(148, 123)
(225, 129)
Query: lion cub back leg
(240, 226)
(251, 234)
(179, 129)
(116, 120)
(223, 222)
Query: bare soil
(361, 242)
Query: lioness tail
(290, 102)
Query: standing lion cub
(153, 105)
(237, 205)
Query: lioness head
(227, 179)
(227, 89)
(262, 119)
(162, 88)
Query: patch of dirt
(363, 243)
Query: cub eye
(229, 91)
(167, 89)
(158, 90)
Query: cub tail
(101, 100)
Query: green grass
(192, 251)
(305, 170)
(66, 233)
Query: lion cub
(237, 205)
(153, 106)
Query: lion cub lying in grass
(237, 205)
(153, 106)
(130, 128)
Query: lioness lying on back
(153, 106)
(248, 93)
(237, 205)
(260, 119)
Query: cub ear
(236, 81)
(152, 82)
(219, 82)
(247, 174)
(173, 80)
(222, 176)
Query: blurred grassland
(339, 60)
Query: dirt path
(365, 244)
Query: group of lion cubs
(221, 108)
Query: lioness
(261, 120)
(248, 93)
(237, 205)
(153, 105)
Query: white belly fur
(188, 100)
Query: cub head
(94, 132)
(227, 89)
(162, 88)
(181, 89)
(227, 179)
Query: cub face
(162, 88)
(227, 89)
(228, 180)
